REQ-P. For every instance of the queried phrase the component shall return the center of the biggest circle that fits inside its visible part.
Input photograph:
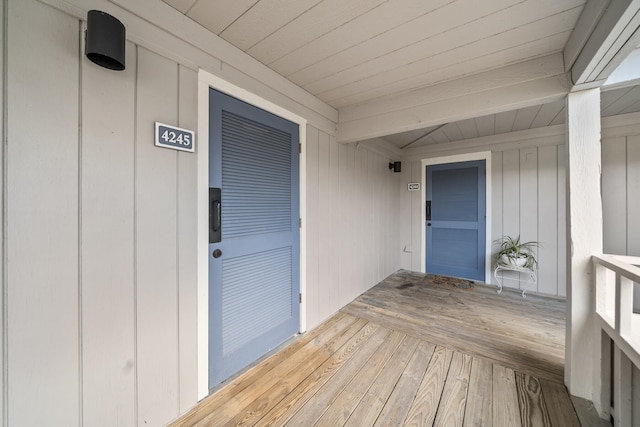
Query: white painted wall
(352, 204)
(620, 190)
(101, 226)
(528, 176)
(527, 199)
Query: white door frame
(207, 80)
(482, 155)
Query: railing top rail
(619, 264)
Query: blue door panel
(455, 240)
(254, 284)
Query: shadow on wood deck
(410, 352)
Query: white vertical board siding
(2, 258)
(313, 227)
(352, 211)
(529, 201)
(614, 195)
(187, 243)
(156, 237)
(547, 219)
(43, 365)
(633, 190)
(107, 244)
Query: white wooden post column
(584, 237)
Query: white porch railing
(618, 333)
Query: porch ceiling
(351, 52)
(613, 102)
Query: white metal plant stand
(503, 267)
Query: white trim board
(482, 155)
(207, 80)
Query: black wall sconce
(105, 40)
(396, 166)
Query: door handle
(215, 215)
(428, 210)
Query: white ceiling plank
(321, 19)
(608, 97)
(458, 71)
(468, 128)
(607, 42)
(524, 118)
(547, 113)
(216, 15)
(623, 102)
(439, 137)
(491, 33)
(486, 124)
(473, 105)
(182, 5)
(591, 14)
(505, 76)
(561, 117)
(427, 35)
(263, 19)
(378, 76)
(504, 121)
(386, 17)
(633, 108)
(452, 131)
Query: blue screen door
(254, 268)
(456, 221)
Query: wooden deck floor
(409, 352)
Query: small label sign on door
(168, 136)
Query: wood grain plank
(349, 398)
(558, 403)
(324, 333)
(454, 396)
(479, 409)
(248, 408)
(562, 214)
(289, 406)
(505, 398)
(313, 409)
(425, 405)
(398, 405)
(376, 397)
(533, 410)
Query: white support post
(584, 238)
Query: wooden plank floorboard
(399, 403)
(425, 405)
(454, 395)
(533, 410)
(369, 408)
(343, 406)
(410, 352)
(478, 410)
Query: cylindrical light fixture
(105, 40)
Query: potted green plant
(515, 253)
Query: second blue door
(456, 221)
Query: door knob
(428, 224)
(217, 253)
